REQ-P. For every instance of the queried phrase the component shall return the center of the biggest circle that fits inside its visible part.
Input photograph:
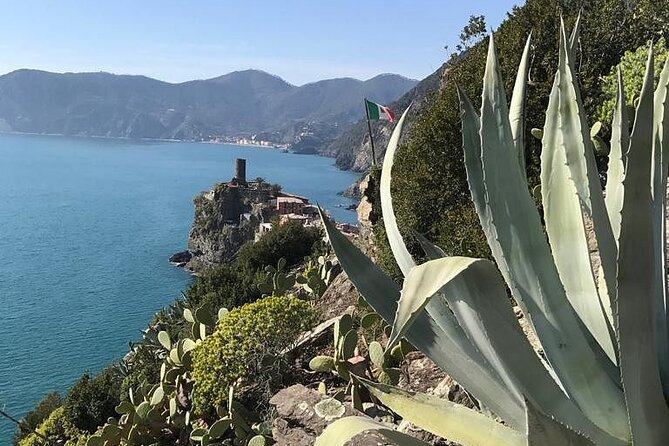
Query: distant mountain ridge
(352, 148)
(241, 103)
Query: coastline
(125, 138)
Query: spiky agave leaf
(647, 407)
(399, 249)
(659, 177)
(515, 235)
(517, 106)
(476, 294)
(445, 418)
(570, 181)
(441, 339)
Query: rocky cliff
(226, 217)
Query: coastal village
(252, 141)
(283, 207)
(241, 210)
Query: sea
(86, 228)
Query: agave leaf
(515, 235)
(659, 187)
(476, 294)
(517, 107)
(613, 197)
(545, 431)
(344, 429)
(400, 251)
(401, 439)
(480, 303)
(573, 38)
(564, 180)
(431, 250)
(648, 411)
(445, 418)
(616, 170)
(586, 176)
(445, 343)
(423, 282)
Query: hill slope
(241, 103)
(352, 148)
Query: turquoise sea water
(86, 227)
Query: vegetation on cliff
(430, 184)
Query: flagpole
(369, 129)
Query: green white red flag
(377, 111)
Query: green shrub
(35, 417)
(243, 338)
(58, 429)
(91, 400)
(233, 285)
(222, 286)
(143, 365)
(290, 240)
(632, 66)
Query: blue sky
(299, 40)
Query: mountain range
(352, 148)
(238, 104)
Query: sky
(299, 40)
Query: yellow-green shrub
(57, 428)
(243, 338)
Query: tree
(472, 33)
(92, 399)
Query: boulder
(303, 414)
(181, 257)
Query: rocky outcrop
(181, 258)
(226, 218)
(367, 217)
(303, 414)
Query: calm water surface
(86, 227)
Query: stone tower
(240, 170)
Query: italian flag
(377, 111)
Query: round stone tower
(240, 170)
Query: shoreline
(125, 138)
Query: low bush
(290, 241)
(244, 339)
(222, 286)
(58, 429)
(35, 417)
(233, 285)
(632, 65)
(91, 400)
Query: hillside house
(290, 205)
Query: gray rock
(181, 258)
(225, 219)
(303, 414)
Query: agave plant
(604, 375)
